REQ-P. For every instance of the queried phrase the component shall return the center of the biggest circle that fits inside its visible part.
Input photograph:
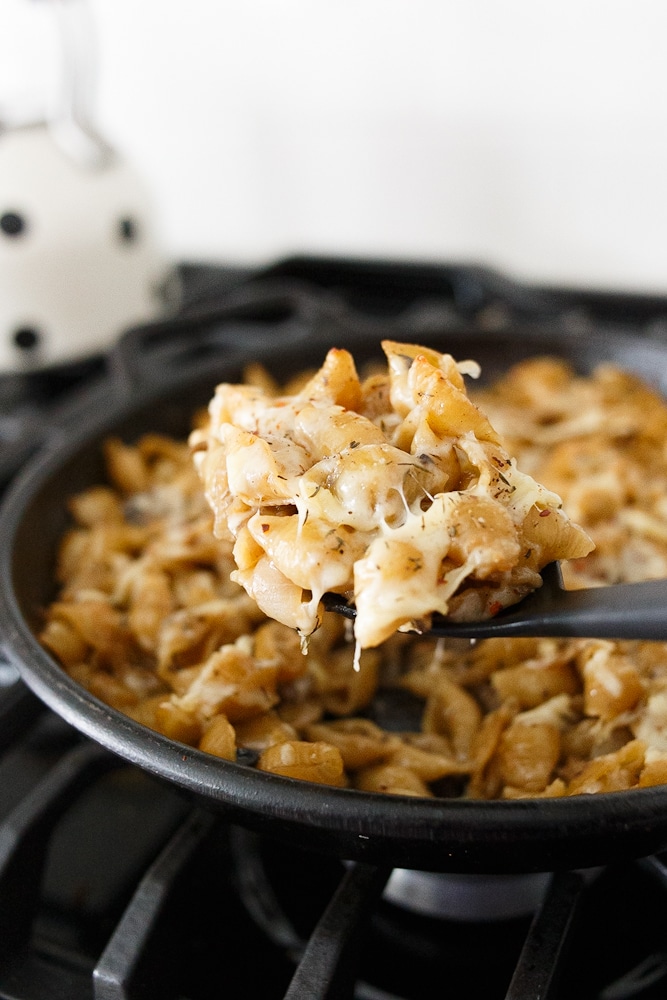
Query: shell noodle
(394, 490)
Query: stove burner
(467, 897)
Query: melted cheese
(395, 491)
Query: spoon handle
(620, 611)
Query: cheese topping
(394, 491)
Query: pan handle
(41, 426)
(245, 322)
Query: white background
(522, 134)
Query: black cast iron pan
(157, 390)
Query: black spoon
(619, 611)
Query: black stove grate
(114, 886)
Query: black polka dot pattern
(127, 229)
(12, 224)
(26, 338)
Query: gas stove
(115, 885)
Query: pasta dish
(150, 616)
